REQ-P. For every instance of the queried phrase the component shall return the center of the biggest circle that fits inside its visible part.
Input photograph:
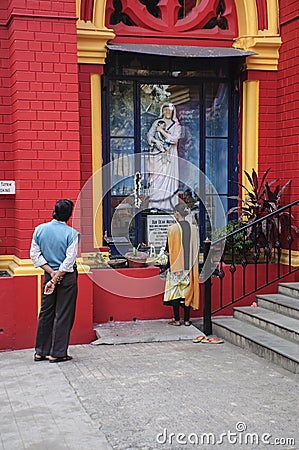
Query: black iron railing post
(207, 319)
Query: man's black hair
(63, 210)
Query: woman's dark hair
(182, 209)
(63, 210)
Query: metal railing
(253, 257)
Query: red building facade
(54, 63)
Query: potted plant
(136, 258)
(262, 199)
(236, 247)
(97, 261)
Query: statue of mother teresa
(163, 165)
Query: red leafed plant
(262, 198)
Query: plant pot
(136, 260)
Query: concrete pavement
(146, 396)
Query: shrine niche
(208, 19)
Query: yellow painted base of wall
(24, 267)
(294, 257)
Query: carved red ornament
(172, 19)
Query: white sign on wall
(157, 229)
(7, 187)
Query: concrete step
(290, 289)
(273, 348)
(271, 321)
(279, 303)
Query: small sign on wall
(7, 187)
(157, 229)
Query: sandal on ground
(60, 359)
(187, 323)
(174, 323)
(199, 339)
(38, 358)
(213, 340)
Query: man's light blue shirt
(55, 243)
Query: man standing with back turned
(54, 248)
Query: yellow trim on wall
(96, 121)
(99, 14)
(78, 8)
(91, 43)
(273, 16)
(265, 43)
(18, 267)
(266, 49)
(247, 17)
(284, 259)
(24, 267)
(250, 128)
(92, 36)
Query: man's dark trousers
(56, 317)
